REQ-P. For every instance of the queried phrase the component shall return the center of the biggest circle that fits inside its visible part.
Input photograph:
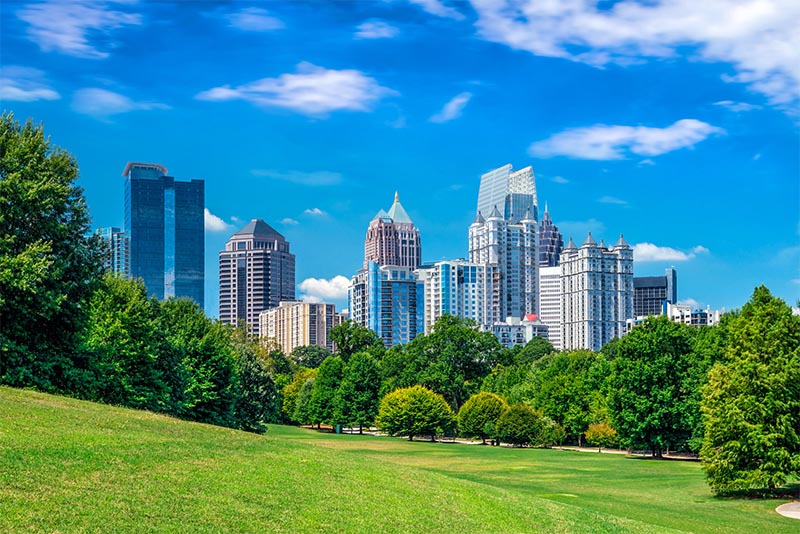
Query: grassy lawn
(72, 466)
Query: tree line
(730, 393)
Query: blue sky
(674, 123)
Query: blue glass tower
(164, 219)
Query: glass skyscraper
(513, 193)
(164, 221)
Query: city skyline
(685, 140)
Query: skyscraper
(550, 303)
(299, 324)
(511, 192)
(392, 239)
(453, 287)
(117, 250)
(597, 293)
(164, 219)
(550, 241)
(652, 293)
(256, 272)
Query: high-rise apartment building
(299, 324)
(256, 272)
(388, 301)
(453, 287)
(117, 246)
(513, 193)
(392, 239)
(597, 293)
(550, 303)
(165, 222)
(508, 252)
(652, 293)
(550, 241)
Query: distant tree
(321, 405)
(414, 411)
(350, 337)
(752, 401)
(48, 265)
(356, 401)
(302, 407)
(654, 386)
(551, 433)
(257, 398)
(602, 435)
(533, 350)
(478, 416)
(291, 393)
(520, 425)
(310, 356)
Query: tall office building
(511, 192)
(299, 324)
(550, 241)
(597, 293)
(388, 301)
(453, 287)
(508, 252)
(117, 250)
(392, 239)
(550, 303)
(256, 272)
(165, 223)
(652, 293)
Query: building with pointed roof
(596, 293)
(551, 242)
(393, 239)
(256, 272)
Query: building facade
(551, 242)
(512, 192)
(651, 294)
(256, 272)
(597, 293)
(117, 246)
(392, 239)
(519, 331)
(164, 220)
(683, 313)
(453, 287)
(299, 324)
(550, 303)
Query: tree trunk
(360, 428)
(411, 437)
(579, 440)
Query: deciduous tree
(520, 425)
(478, 416)
(414, 411)
(356, 400)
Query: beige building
(299, 324)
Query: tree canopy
(414, 411)
(478, 416)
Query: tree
(329, 375)
(601, 434)
(520, 425)
(478, 416)
(350, 337)
(752, 401)
(257, 399)
(413, 412)
(310, 356)
(654, 386)
(291, 393)
(48, 265)
(533, 350)
(302, 407)
(356, 400)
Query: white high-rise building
(299, 324)
(597, 293)
(550, 303)
(453, 287)
(511, 192)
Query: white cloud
(376, 29)
(313, 91)
(695, 305)
(647, 161)
(795, 281)
(601, 142)
(65, 27)
(559, 180)
(452, 110)
(759, 38)
(101, 103)
(579, 229)
(438, 8)
(737, 106)
(214, 223)
(289, 221)
(24, 84)
(254, 19)
(314, 211)
(612, 200)
(300, 177)
(649, 252)
(321, 290)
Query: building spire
(396, 197)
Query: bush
(414, 411)
(520, 425)
(478, 416)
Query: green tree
(321, 405)
(48, 265)
(310, 356)
(654, 386)
(601, 434)
(414, 411)
(520, 425)
(350, 337)
(257, 398)
(533, 350)
(356, 400)
(291, 393)
(478, 416)
(752, 401)
(302, 407)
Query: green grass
(72, 466)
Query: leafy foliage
(520, 425)
(291, 393)
(413, 412)
(478, 416)
(350, 337)
(356, 400)
(752, 401)
(310, 356)
(601, 434)
(321, 405)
